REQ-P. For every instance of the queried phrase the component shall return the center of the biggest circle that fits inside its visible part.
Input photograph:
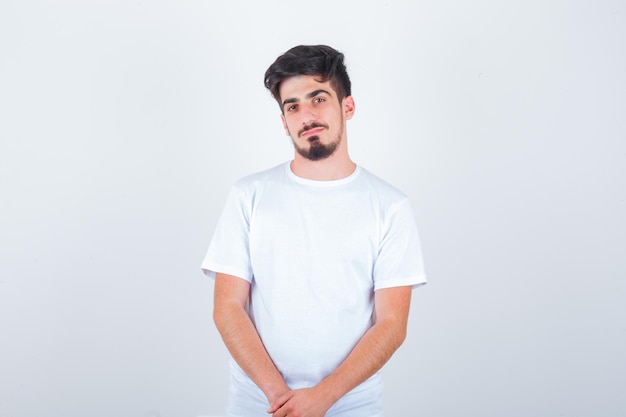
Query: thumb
(279, 402)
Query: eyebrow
(310, 95)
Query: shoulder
(253, 182)
(381, 189)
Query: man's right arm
(240, 335)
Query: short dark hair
(320, 60)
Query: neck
(335, 167)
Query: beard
(317, 150)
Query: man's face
(313, 116)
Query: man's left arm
(368, 356)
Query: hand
(306, 402)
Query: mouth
(312, 132)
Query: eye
(319, 100)
(291, 108)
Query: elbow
(226, 315)
(220, 317)
(400, 336)
(395, 332)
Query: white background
(123, 123)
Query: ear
(348, 107)
(282, 117)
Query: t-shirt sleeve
(228, 251)
(399, 261)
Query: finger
(279, 402)
(276, 411)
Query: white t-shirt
(314, 253)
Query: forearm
(371, 352)
(369, 355)
(245, 346)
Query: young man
(314, 260)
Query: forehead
(301, 85)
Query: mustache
(313, 125)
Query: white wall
(123, 123)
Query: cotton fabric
(314, 252)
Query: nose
(309, 114)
